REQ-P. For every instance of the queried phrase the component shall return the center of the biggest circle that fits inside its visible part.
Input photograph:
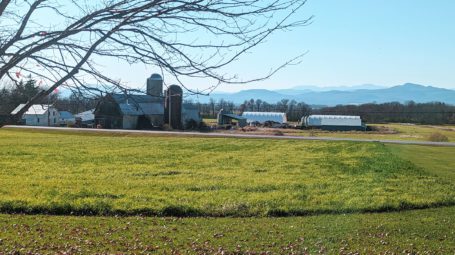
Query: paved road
(199, 134)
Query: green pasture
(433, 159)
(429, 231)
(52, 172)
(102, 174)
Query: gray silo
(155, 85)
(173, 107)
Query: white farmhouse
(39, 115)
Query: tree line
(409, 112)
(20, 93)
(12, 96)
(293, 109)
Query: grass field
(429, 231)
(51, 172)
(60, 173)
(439, 161)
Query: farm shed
(334, 122)
(225, 118)
(190, 113)
(86, 118)
(262, 117)
(66, 118)
(39, 115)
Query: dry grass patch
(438, 137)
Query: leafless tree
(58, 42)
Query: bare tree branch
(3, 5)
(56, 42)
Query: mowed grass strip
(429, 231)
(433, 159)
(61, 173)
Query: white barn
(39, 115)
(262, 117)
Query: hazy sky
(351, 42)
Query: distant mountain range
(308, 88)
(341, 95)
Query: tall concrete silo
(155, 85)
(173, 107)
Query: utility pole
(170, 96)
(48, 111)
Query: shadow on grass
(101, 208)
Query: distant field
(210, 121)
(396, 132)
(429, 231)
(74, 173)
(419, 132)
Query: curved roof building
(262, 117)
(334, 122)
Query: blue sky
(351, 42)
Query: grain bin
(155, 85)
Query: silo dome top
(175, 89)
(156, 76)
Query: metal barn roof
(37, 109)
(129, 98)
(87, 115)
(234, 116)
(139, 104)
(141, 108)
(262, 117)
(320, 116)
(65, 115)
